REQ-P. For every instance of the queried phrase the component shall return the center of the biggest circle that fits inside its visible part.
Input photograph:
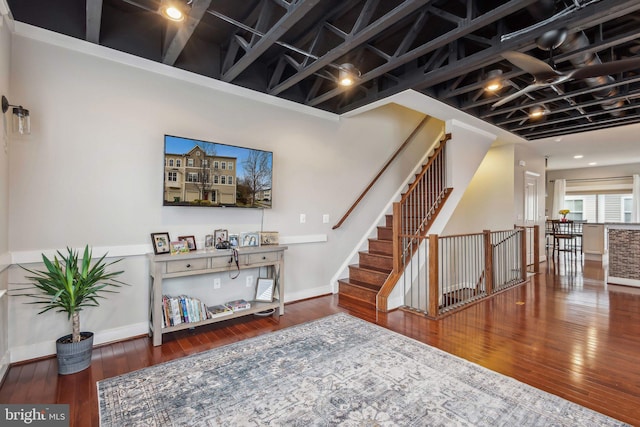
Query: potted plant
(69, 285)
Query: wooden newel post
(434, 275)
(523, 253)
(536, 249)
(488, 262)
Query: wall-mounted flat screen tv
(201, 173)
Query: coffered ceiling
(445, 49)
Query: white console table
(162, 267)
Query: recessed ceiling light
(536, 112)
(578, 156)
(558, 139)
(173, 12)
(494, 81)
(593, 163)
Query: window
(170, 162)
(205, 163)
(178, 163)
(626, 208)
(224, 165)
(575, 206)
(190, 163)
(230, 166)
(172, 176)
(230, 181)
(223, 179)
(215, 179)
(216, 165)
(192, 177)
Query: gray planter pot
(74, 356)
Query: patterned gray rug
(338, 370)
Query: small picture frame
(220, 236)
(191, 242)
(179, 247)
(208, 242)
(268, 238)
(233, 240)
(250, 239)
(265, 289)
(161, 243)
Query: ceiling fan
(545, 75)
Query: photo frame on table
(179, 247)
(220, 236)
(250, 239)
(161, 243)
(234, 240)
(265, 289)
(208, 242)
(191, 242)
(268, 238)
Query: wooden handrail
(384, 168)
(443, 141)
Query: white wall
(5, 48)
(91, 173)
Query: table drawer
(261, 258)
(186, 265)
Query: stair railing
(384, 168)
(414, 213)
(447, 273)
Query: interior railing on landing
(445, 273)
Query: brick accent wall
(624, 253)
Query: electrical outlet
(249, 281)
(303, 218)
(325, 219)
(216, 283)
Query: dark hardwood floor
(565, 332)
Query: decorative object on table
(234, 240)
(161, 243)
(564, 213)
(221, 236)
(250, 239)
(69, 285)
(208, 242)
(191, 242)
(265, 289)
(338, 370)
(268, 238)
(179, 247)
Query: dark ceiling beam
(557, 98)
(295, 12)
(469, 26)
(603, 124)
(591, 15)
(184, 33)
(353, 40)
(94, 19)
(622, 97)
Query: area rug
(336, 371)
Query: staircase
(374, 266)
(415, 212)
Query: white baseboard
(307, 293)
(48, 348)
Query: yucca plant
(69, 285)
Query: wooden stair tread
(359, 284)
(371, 268)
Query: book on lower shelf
(219, 310)
(182, 309)
(238, 305)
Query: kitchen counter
(624, 254)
